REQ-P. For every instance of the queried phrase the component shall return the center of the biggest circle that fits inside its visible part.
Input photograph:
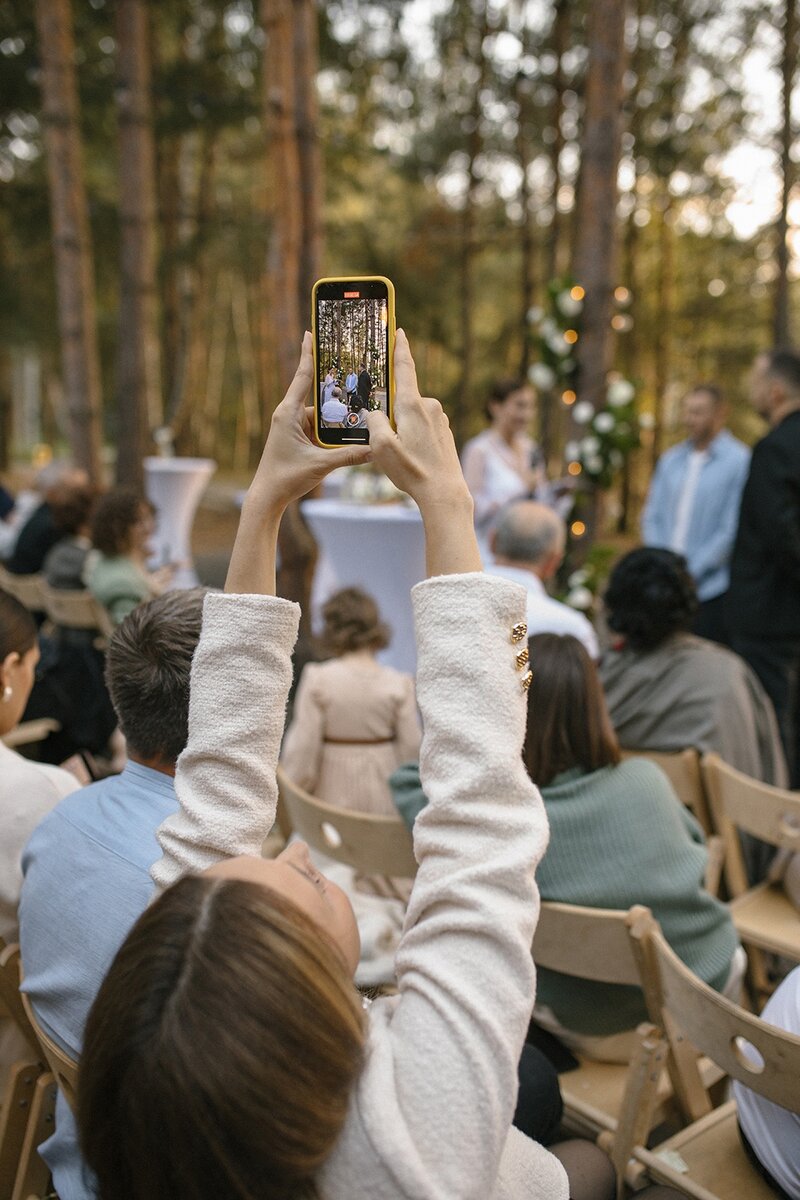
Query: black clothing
(764, 592)
(763, 600)
(710, 622)
(37, 536)
(364, 387)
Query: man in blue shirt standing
(693, 503)
(87, 866)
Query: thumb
(352, 456)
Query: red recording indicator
(352, 295)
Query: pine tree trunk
(139, 399)
(72, 244)
(306, 115)
(283, 265)
(781, 317)
(596, 250)
(560, 41)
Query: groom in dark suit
(364, 385)
(764, 596)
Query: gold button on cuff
(522, 658)
(527, 680)
(518, 632)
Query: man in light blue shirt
(87, 866)
(693, 503)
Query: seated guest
(667, 689)
(771, 1134)
(71, 514)
(334, 410)
(528, 546)
(116, 570)
(305, 1090)
(28, 790)
(354, 720)
(86, 866)
(39, 534)
(624, 819)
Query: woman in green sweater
(618, 836)
(116, 568)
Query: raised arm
(464, 967)
(241, 671)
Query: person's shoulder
(733, 448)
(642, 773)
(40, 781)
(674, 454)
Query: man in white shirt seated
(528, 544)
(334, 411)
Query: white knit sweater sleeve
(437, 1097)
(225, 782)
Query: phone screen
(352, 347)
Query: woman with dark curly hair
(667, 689)
(355, 721)
(116, 571)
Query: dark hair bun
(650, 595)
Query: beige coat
(354, 723)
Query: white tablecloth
(379, 548)
(174, 486)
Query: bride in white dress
(504, 462)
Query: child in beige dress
(355, 721)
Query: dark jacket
(764, 596)
(37, 536)
(364, 385)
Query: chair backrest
(682, 768)
(11, 998)
(722, 1030)
(76, 610)
(64, 1068)
(28, 589)
(739, 802)
(592, 943)
(373, 844)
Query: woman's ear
(9, 662)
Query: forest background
(213, 158)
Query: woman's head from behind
(221, 1050)
(123, 523)
(568, 721)
(351, 621)
(650, 596)
(19, 654)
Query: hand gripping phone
(353, 323)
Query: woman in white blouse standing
(503, 463)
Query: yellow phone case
(391, 329)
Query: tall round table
(174, 486)
(377, 547)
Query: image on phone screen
(352, 336)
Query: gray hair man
(528, 543)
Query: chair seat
(765, 917)
(593, 1095)
(710, 1153)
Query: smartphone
(353, 322)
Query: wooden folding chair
(765, 918)
(28, 1113)
(706, 1159)
(372, 844)
(76, 610)
(64, 1068)
(595, 944)
(30, 732)
(28, 589)
(682, 768)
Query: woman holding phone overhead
(228, 1052)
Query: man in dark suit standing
(764, 596)
(364, 385)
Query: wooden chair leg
(758, 984)
(14, 1116)
(33, 1176)
(636, 1115)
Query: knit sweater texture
(620, 836)
(430, 1116)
